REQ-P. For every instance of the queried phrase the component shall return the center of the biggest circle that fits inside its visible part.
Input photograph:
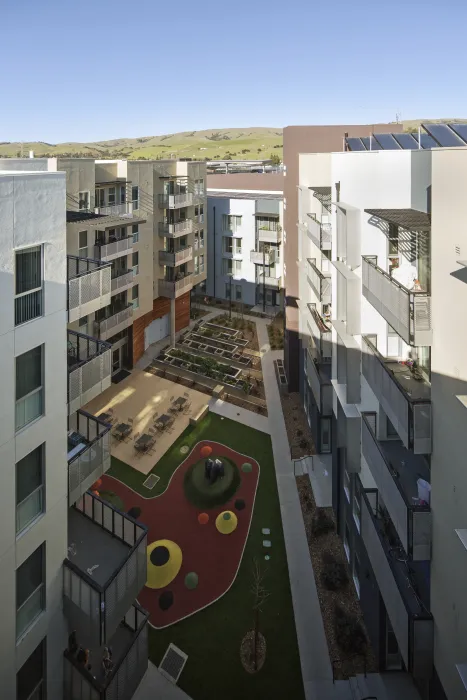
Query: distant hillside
(242, 144)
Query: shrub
(350, 634)
(334, 574)
(322, 523)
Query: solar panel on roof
(366, 142)
(443, 134)
(387, 141)
(461, 130)
(406, 141)
(354, 144)
(428, 141)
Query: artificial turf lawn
(212, 637)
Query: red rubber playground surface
(214, 557)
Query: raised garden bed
(224, 374)
(246, 327)
(217, 348)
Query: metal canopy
(231, 194)
(320, 190)
(410, 219)
(96, 221)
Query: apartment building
(382, 363)
(245, 220)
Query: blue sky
(105, 69)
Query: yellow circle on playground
(160, 575)
(226, 522)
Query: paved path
(241, 415)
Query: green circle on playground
(204, 495)
(191, 580)
(226, 516)
(184, 449)
(247, 468)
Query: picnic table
(122, 430)
(106, 417)
(144, 442)
(164, 420)
(179, 403)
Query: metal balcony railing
(115, 209)
(396, 473)
(88, 452)
(97, 598)
(175, 229)
(321, 334)
(411, 621)
(89, 369)
(129, 647)
(408, 312)
(122, 281)
(271, 234)
(268, 257)
(321, 234)
(319, 380)
(177, 258)
(319, 281)
(113, 249)
(405, 399)
(175, 201)
(269, 281)
(175, 288)
(116, 320)
(89, 286)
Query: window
(83, 322)
(29, 387)
(100, 198)
(201, 263)
(28, 284)
(30, 683)
(135, 263)
(135, 196)
(122, 194)
(29, 488)
(196, 265)
(356, 573)
(83, 244)
(347, 541)
(83, 199)
(134, 296)
(30, 590)
(135, 232)
(231, 222)
(233, 267)
(238, 292)
(227, 290)
(356, 507)
(111, 199)
(201, 238)
(228, 245)
(393, 239)
(347, 484)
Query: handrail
(418, 292)
(101, 347)
(97, 265)
(103, 429)
(322, 275)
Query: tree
(275, 159)
(260, 594)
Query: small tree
(260, 595)
(275, 159)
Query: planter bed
(229, 376)
(224, 344)
(229, 334)
(217, 352)
(244, 326)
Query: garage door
(158, 329)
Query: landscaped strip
(212, 637)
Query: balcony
(271, 234)
(269, 281)
(321, 334)
(319, 379)
(411, 621)
(405, 399)
(89, 369)
(175, 201)
(172, 289)
(396, 472)
(117, 318)
(114, 248)
(321, 234)
(177, 258)
(88, 452)
(124, 280)
(319, 281)
(105, 570)
(408, 312)
(129, 647)
(175, 229)
(199, 197)
(88, 286)
(115, 209)
(269, 256)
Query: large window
(135, 232)
(232, 246)
(29, 386)
(100, 198)
(111, 195)
(84, 201)
(30, 590)
(231, 222)
(30, 679)
(135, 262)
(122, 194)
(201, 263)
(28, 284)
(135, 196)
(135, 296)
(29, 488)
(230, 266)
(83, 244)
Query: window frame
(39, 489)
(356, 572)
(135, 299)
(357, 508)
(135, 233)
(112, 193)
(34, 391)
(135, 200)
(346, 484)
(346, 541)
(34, 290)
(87, 196)
(41, 588)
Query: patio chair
(186, 394)
(130, 421)
(110, 411)
(136, 436)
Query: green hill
(242, 144)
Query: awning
(95, 221)
(410, 219)
(320, 190)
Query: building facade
(380, 254)
(245, 218)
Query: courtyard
(209, 621)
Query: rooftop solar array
(432, 136)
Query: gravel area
(276, 332)
(298, 431)
(331, 543)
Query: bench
(199, 416)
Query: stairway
(383, 686)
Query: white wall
(32, 212)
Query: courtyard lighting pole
(230, 295)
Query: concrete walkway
(241, 415)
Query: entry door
(269, 297)
(116, 360)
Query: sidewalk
(241, 415)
